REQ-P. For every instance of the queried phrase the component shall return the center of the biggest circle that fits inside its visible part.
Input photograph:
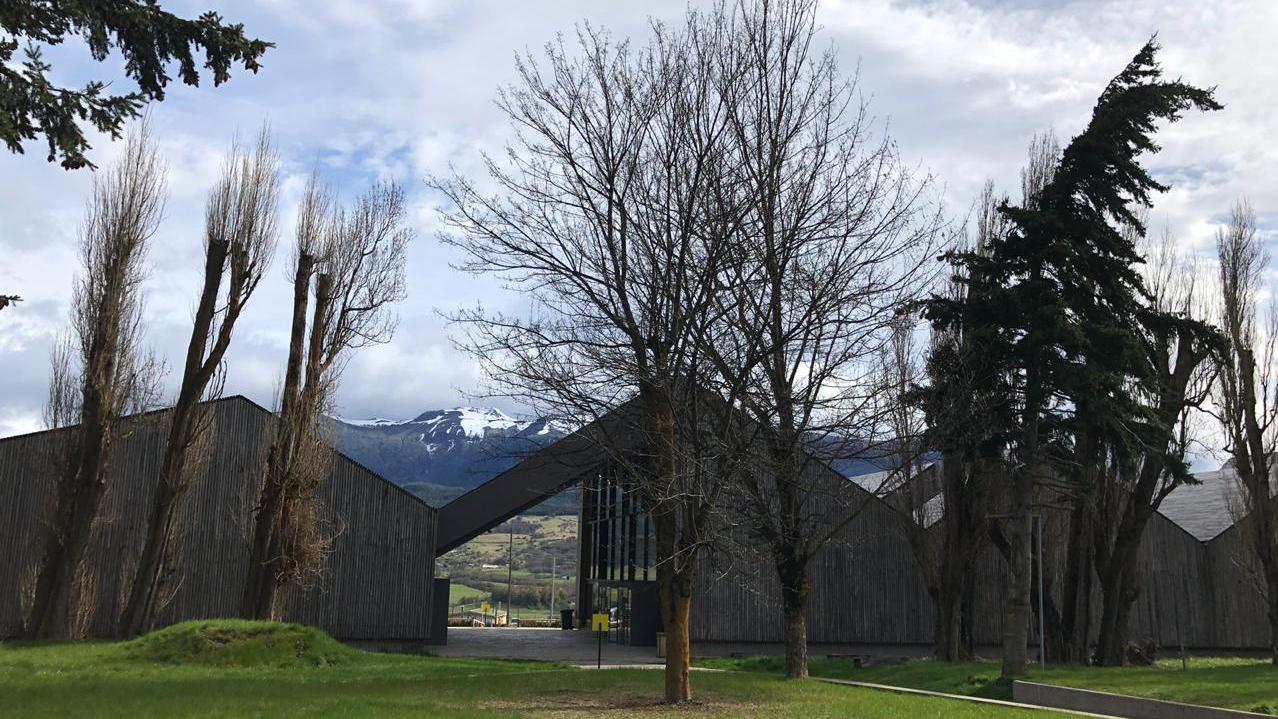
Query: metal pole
(1180, 633)
(1042, 639)
(510, 584)
(552, 588)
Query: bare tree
(239, 240)
(1247, 395)
(613, 216)
(836, 239)
(351, 263)
(101, 373)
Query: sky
(366, 90)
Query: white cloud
(400, 89)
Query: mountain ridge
(459, 447)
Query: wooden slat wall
(867, 588)
(377, 584)
(1240, 611)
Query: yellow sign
(599, 622)
(488, 608)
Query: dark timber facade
(867, 584)
(377, 584)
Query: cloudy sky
(400, 89)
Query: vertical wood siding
(867, 587)
(376, 585)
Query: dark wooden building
(377, 584)
(867, 584)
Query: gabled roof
(1205, 509)
(254, 406)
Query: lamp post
(510, 583)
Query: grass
(458, 593)
(1247, 684)
(239, 643)
(198, 670)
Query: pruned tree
(239, 239)
(1247, 394)
(613, 215)
(348, 272)
(148, 37)
(836, 238)
(101, 373)
(1060, 295)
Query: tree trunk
(63, 555)
(1273, 638)
(1119, 591)
(674, 590)
(1076, 594)
(794, 598)
(259, 596)
(1016, 605)
(79, 498)
(260, 587)
(674, 566)
(1272, 577)
(948, 602)
(140, 607)
(967, 636)
(948, 644)
(1111, 641)
(676, 619)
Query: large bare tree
(612, 214)
(239, 238)
(836, 238)
(101, 373)
(1247, 394)
(348, 272)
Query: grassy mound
(239, 643)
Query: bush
(239, 643)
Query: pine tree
(1060, 298)
(149, 39)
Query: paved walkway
(579, 647)
(556, 645)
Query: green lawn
(457, 593)
(1247, 684)
(206, 672)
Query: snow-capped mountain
(459, 447)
